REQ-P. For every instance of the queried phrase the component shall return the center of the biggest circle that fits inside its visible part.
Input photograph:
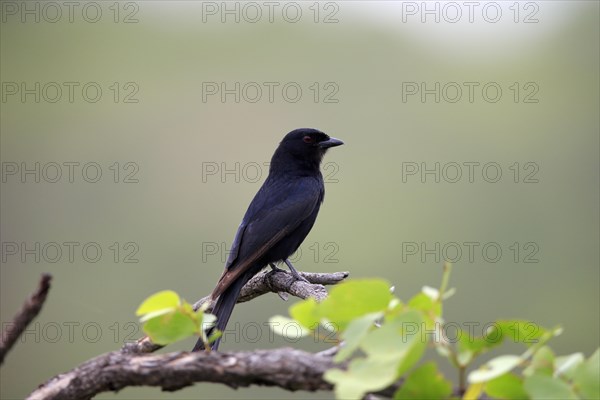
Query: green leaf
(171, 327)
(167, 318)
(478, 344)
(565, 365)
(465, 357)
(305, 313)
(507, 386)
(519, 331)
(353, 299)
(157, 313)
(391, 349)
(355, 333)
(431, 292)
(158, 302)
(539, 386)
(516, 330)
(284, 326)
(215, 334)
(361, 377)
(401, 339)
(392, 339)
(586, 377)
(494, 368)
(542, 362)
(424, 303)
(425, 382)
(208, 321)
(413, 355)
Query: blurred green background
(185, 146)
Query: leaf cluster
(382, 340)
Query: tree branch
(279, 281)
(286, 368)
(30, 309)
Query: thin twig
(26, 314)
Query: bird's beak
(331, 142)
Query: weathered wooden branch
(279, 281)
(286, 368)
(30, 309)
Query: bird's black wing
(235, 246)
(276, 211)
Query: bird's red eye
(307, 139)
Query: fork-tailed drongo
(278, 218)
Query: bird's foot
(295, 273)
(282, 295)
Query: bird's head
(304, 147)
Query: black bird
(278, 219)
